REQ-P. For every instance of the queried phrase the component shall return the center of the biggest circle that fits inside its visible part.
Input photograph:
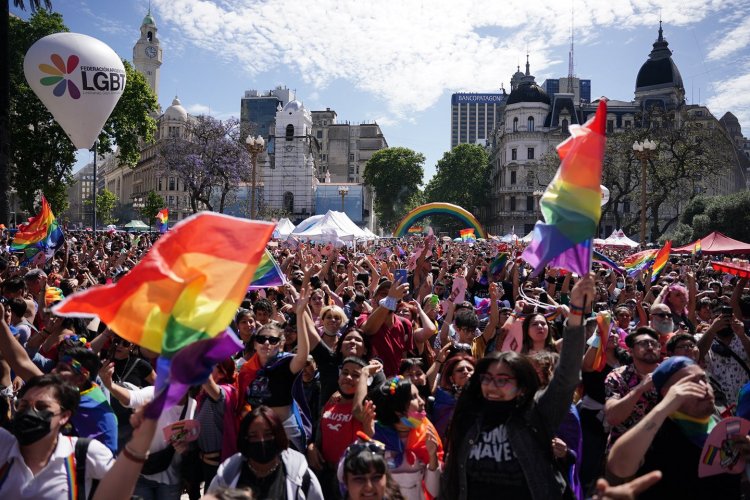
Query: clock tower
(147, 55)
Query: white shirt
(53, 481)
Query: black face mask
(261, 452)
(29, 425)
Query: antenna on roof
(571, 69)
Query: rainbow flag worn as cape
(605, 261)
(467, 235)
(40, 234)
(661, 260)
(638, 261)
(162, 220)
(571, 205)
(603, 326)
(267, 273)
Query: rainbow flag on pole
(267, 273)
(661, 260)
(40, 233)
(467, 235)
(638, 261)
(162, 220)
(571, 205)
(697, 250)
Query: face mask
(620, 284)
(414, 419)
(259, 451)
(664, 326)
(29, 425)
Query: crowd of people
(395, 369)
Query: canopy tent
(508, 238)
(618, 240)
(136, 225)
(716, 243)
(307, 224)
(330, 227)
(283, 229)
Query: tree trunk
(4, 112)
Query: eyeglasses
(123, 342)
(663, 315)
(262, 339)
(496, 380)
(648, 344)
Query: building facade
(258, 110)
(474, 116)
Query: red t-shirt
(338, 428)
(390, 343)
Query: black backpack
(81, 450)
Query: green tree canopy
(154, 202)
(462, 177)
(395, 175)
(106, 202)
(729, 214)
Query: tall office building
(473, 116)
(258, 110)
(581, 89)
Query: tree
(5, 83)
(106, 202)
(151, 207)
(462, 177)
(395, 175)
(210, 160)
(729, 214)
(42, 155)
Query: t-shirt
(211, 419)
(390, 343)
(492, 467)
(617, 385)
(95, 418)
(272, 385)
(338, 428)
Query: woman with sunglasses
(267, 378)
(363, 472)
(501, 431)
(413, 448)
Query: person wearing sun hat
(670, 437)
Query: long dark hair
(390, 397)
(527, 343)
(366, 462)
(365, 339)
(273, 421)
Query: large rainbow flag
(638, 261)
(468, 235)
(267, 273)
(571, 205)
(162, 220)
(41, 233)
(661, 260)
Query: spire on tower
(571, 69)
(528, 72)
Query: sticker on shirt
(183, 431)
(721, 455)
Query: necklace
(258, 474)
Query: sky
(397, 62)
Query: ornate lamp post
(343, 191)
(643, 151)
(255, 146)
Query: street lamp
(343, 191)
(537, 197)
(643, 151)
(254, 146)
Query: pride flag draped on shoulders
(40, 234)
(185, 290)
(571, 205)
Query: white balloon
(605, 194)
(79, 79)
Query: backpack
(81, 450)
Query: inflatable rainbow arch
(439, 208)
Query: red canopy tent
(716, 243)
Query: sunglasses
(663, 315)
(124, 343)
(497, 381)
(262, 339)
(358, 447)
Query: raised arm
(14, 353)
(379, 315)
(304, 321)
(736, 294)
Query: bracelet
(576, 312)
(389, 303)
(575, 308)
(135, 457)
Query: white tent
(509, 238)
(369, 234)
(331, 227)
(283, 229)
(618, 240)
(307, 224)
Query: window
(512, 203)
(529, 203)
(514, 154)
(565, 126)
(351, 156)
(320, 134)
(515, 124)
(171, 184)
(628, 124)
(530, 124)
(160, 187)
(289, 132)
(610, 126)
(530, 153)
(170, 201)
(626, 207)
(512, 178)
(289, 202)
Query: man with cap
(670, 438)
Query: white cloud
(732, 95)
(736, 39)
(407, 53)
(198, 109)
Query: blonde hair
(333, 310)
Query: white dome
(176, 111)
(294, 106)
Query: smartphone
(726, 311)
(400, 275)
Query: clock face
(151, 51)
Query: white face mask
(663, 327)
(620, 284)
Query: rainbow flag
(497, 265)
(187, 288)
(605, 261)
(467, 235)
(162, 220)
(40, 233)
(603, 326)
(711, 453)
(52, 295)
(571, 205)
(638, 261)
(267, 273)
(661, 260)
(697, 250)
